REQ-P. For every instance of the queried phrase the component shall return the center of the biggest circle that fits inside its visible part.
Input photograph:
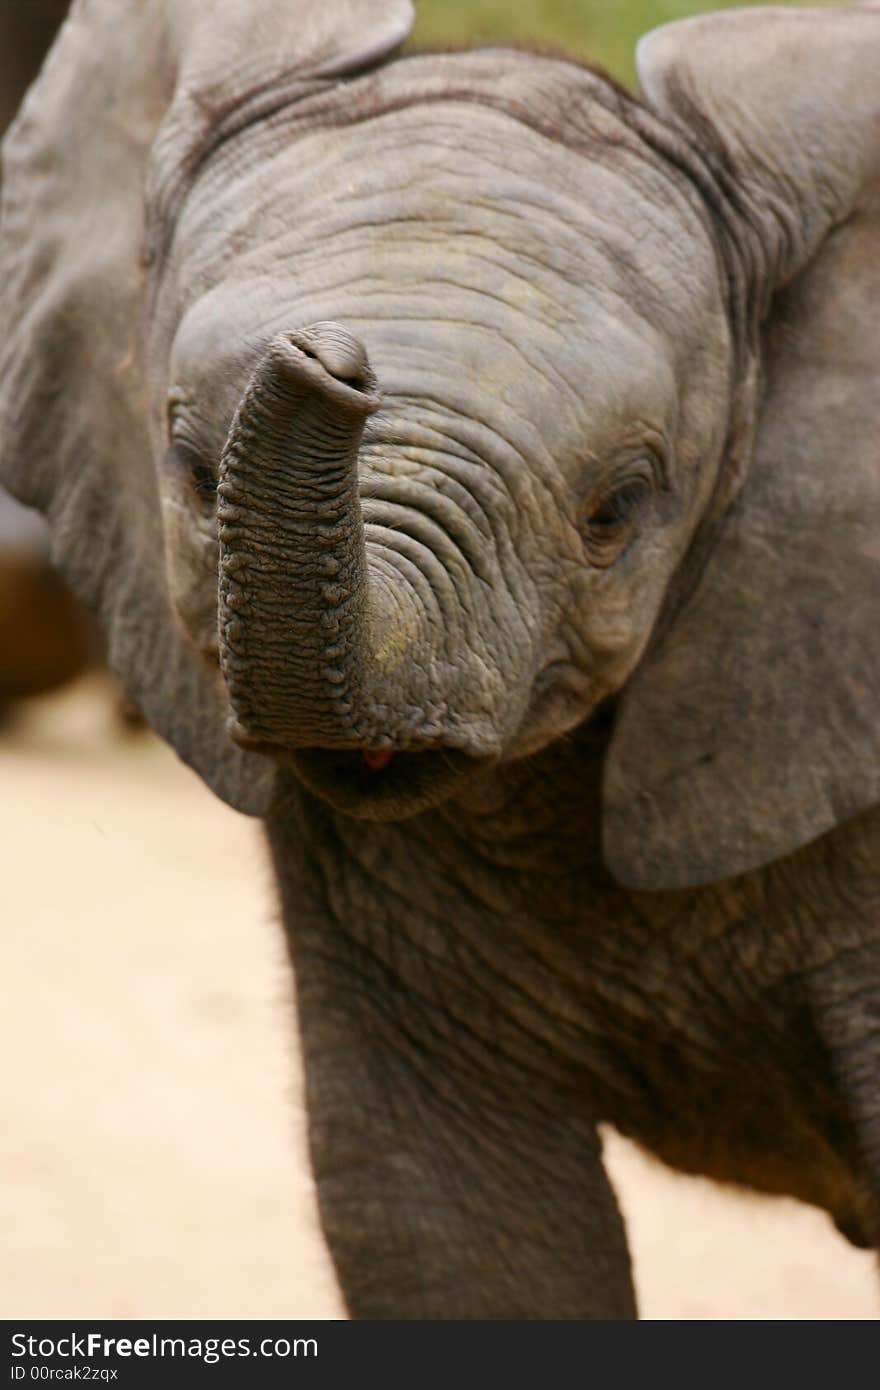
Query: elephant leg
(440, 1198)
(846, 1004)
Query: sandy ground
(152, 1161)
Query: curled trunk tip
(340, 353)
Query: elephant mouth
(382, 785)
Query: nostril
(342, 355)
(357, 383)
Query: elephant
(474, 467)
(46, 638)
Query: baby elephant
(476, 470)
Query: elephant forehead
(486, 268)
(458, 192)
(543, 385)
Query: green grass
(601, 31)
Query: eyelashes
(619, 507)
(613, 516)
(196, 469)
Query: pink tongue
(377, 758)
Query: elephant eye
(612, 516)
(198, 471)
(619, 506)
(203, 480)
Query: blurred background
(604, 34)
(152, 1162)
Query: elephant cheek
(191, 562)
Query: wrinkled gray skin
(476, 470)
(45, 637)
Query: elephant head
(400, 416)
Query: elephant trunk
(294, 603)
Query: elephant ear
(751, 726)
(74, 435)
